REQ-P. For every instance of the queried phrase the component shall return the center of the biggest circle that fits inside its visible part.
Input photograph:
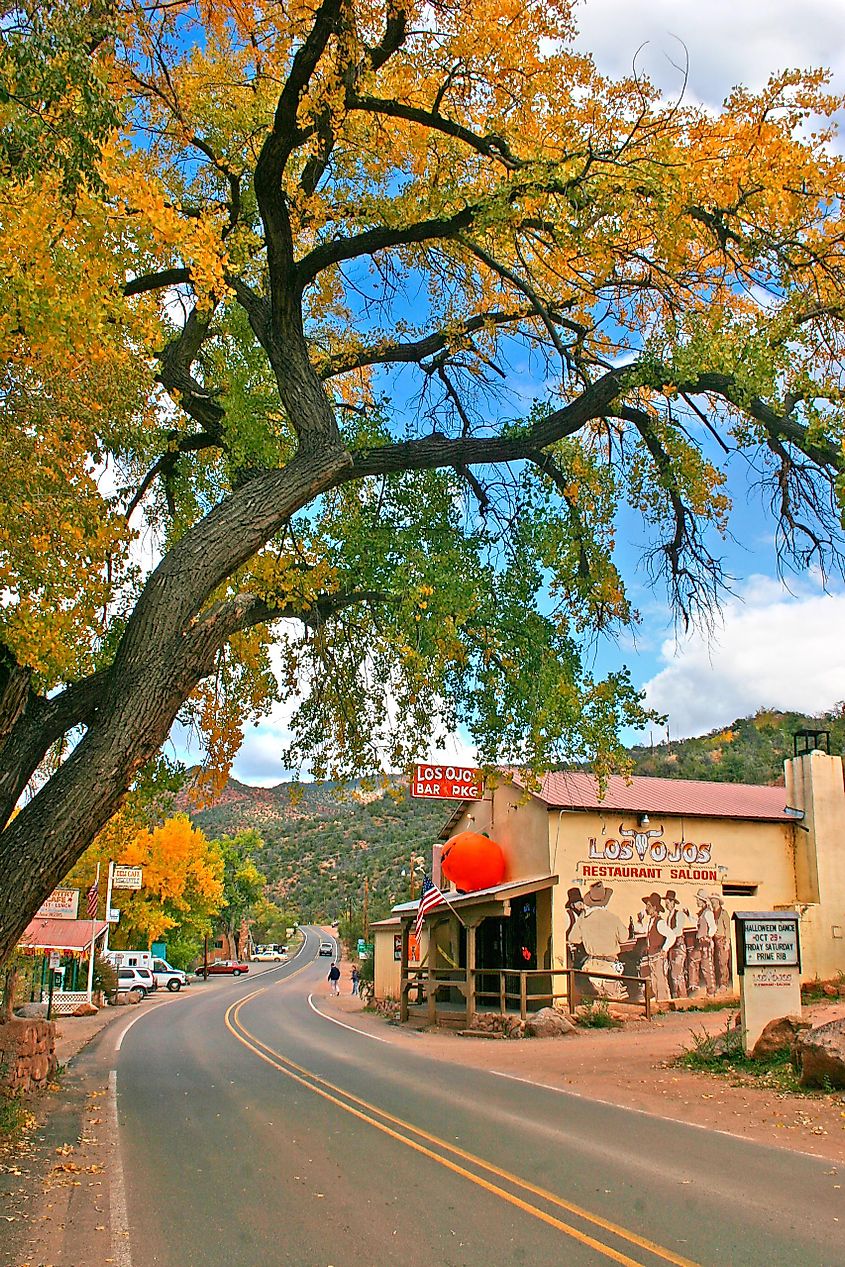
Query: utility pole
(413, 879)
(366, 908)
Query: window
(739, 890)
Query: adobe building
(641, 883)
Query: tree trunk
(164, 653)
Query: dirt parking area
(633, 1067)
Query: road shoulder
(633, 1068)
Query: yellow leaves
(195, 241)
(182, 871)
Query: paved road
(254, 1130)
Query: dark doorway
(506, 943)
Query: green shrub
(596, 1016)
(105, 975)
(713, 1051)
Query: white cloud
(774, 649)
(727, 43)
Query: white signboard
(126, 877)
(114, 916)
(771, 943)
(61, 904)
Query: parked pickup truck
(166, 976)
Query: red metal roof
(683, 798)
(60, 934)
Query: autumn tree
(243, 884)
(270, 922)
(353, 325)
(183, 880)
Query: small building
(72, 941)
(628, 894)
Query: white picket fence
(65, 1002)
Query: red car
(220, 966)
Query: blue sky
(778, 643)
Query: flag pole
(451, 908)
(449, 904)
(108, 908)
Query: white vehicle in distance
(327, 948)
(166, 976)
(141, 980)
(265, 953)
(129, 958)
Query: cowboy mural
(602, 934)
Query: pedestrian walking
(356, 979)
(334, 978)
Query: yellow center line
(331, 1092)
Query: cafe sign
(125, 877)
(61, 904)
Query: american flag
(92, 897)
(429, 898)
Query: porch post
(471, 931)
(403, 973)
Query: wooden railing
(516, 989)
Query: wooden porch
(454, 997)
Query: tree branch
(166, 464)
(437, 450)
(419, 349)
(217, 625)
(39, 725)
(695, 584)
(491, 146)
(279, 145)
(157, 281)
(381, 239)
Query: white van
(129, 958)
(163, 973)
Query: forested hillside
(321, 844)
(319, 848)
(750, 750)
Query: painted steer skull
(641, 839)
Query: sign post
(55, 961)
(120, 877)
(768, 955)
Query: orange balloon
(472, 862)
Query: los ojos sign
(446, 782)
